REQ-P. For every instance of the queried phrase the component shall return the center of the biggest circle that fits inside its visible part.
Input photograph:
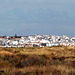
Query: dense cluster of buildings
(36, 41)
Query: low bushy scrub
(37, 61)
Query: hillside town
(36, 41)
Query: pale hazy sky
(28, 17)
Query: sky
(44, 17)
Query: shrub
(62, 59)
(36, 60)
(32, 60)
(4, 64)
(18, 73)
(56, 72)
(21, 64)
(42, 61)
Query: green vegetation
(37, 61)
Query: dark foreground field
(37, 61)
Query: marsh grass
(37, 61)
